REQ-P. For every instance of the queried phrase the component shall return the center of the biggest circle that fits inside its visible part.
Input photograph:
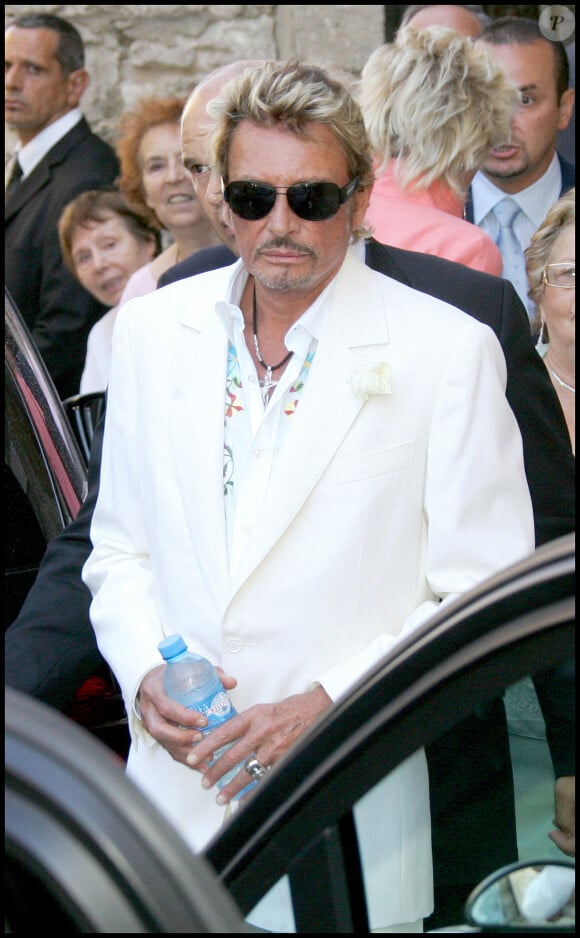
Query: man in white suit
(302, 460)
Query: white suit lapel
(355, 330)
(197, 434)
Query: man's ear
(566, 107)
(360, 204)
(77, 85)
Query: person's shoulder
(486, 297)
(95, 142)
(402, 263)
(103, 328)
(208, 280)
(182, 297)
(81, 147)
(406, 298)
(140, 282)
(460, 241)
(201, 261)
(476, 250)
(568, 171)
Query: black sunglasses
(313, 201)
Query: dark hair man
(57, 156)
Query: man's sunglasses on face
(313, 201)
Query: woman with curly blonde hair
(155, 183)
(551, 269)
(434, 103)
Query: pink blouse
(429, 221)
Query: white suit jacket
(375, 511)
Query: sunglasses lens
(314, 201)
(250, 200)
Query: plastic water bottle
(193, 681)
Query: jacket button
(234, 645)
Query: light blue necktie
(514, 265)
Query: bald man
(461, 18)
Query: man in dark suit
(550, 473)
(527, 169)
(58, 157)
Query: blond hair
(292, 95)
(537, 254)
(437, 102)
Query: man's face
(207, 184)
(282, 250)
(519, 163)
(35, 91)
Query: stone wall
(139, 49)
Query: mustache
(287, 243)
(512, 142)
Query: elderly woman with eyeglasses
(551, 269)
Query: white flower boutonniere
(371, 378)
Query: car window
(533, 772)
(534, 779)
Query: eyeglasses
(313, 201)
(560, 275)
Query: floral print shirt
(255, 430)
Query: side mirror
(538, 897)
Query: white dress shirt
(30, 155)
(534, 202)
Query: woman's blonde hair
(537, 254)
(438, 102)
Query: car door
(298, 835)
(45, 482)
(45, 478)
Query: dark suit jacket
(568, 182)
(529, 390)
(471, 761)
(197, 263)
(57, 309)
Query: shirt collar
(359, 249)
(36, 149)
(232, 319)
(532, 200)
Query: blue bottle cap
(171, 646)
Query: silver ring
(255, 769)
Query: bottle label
(216, 708)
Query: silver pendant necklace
(267, 382)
